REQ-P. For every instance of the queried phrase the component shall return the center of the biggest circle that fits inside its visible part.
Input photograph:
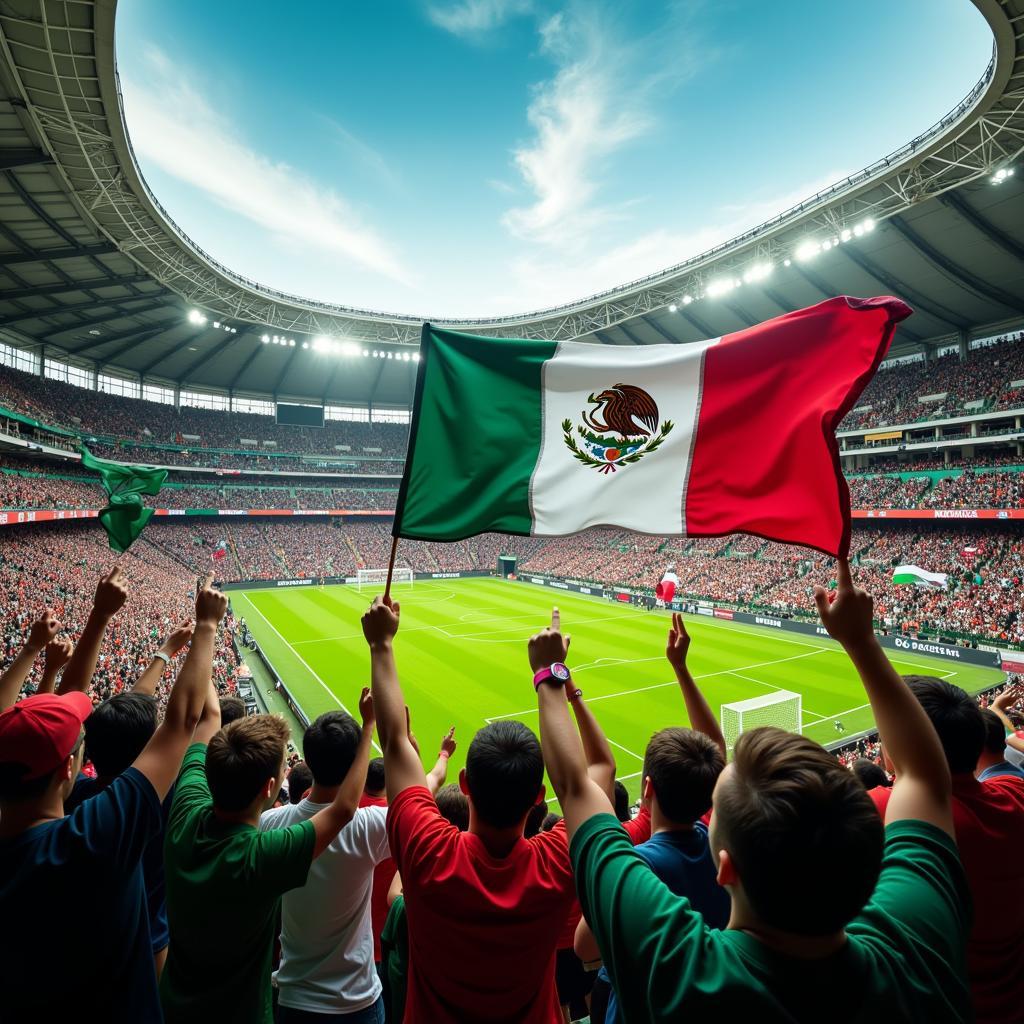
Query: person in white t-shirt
(327, 967)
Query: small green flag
(125, 517)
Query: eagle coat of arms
(622, 427)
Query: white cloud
(599, 100)
(550, 280)
(174, 127)
(471, 18)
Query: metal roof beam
(11, 259)
(706, 329)
(137, 337)
(659, 330)
(954, 201)
(629, 334)
(23, 158)
(283, 376)
(81, 307)
(131, 332)
(245, 366)
(898, 287)
(27, 199)
(961, 275)
(79, 286)
(740, 312)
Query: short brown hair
(683, 766)
(242, 756)
(803, 834)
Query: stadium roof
(97, 272)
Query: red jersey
(989, 821)
(482, 930)
(383, 876)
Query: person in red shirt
(989, 821)
(485, 907)
(375, 795)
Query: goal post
(783, 709)
(379, 577)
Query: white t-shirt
(326, 939)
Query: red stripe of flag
(765, 458)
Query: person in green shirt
(833, 918)
(225, 878)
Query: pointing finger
(843, 577)
(556, 620)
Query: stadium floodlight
(721, 286)
(265, 339)
(291, 342)
(758, 272)
(1001, 175)
(807, 250)
(868, 223)
(687, 299)
(349, 348)
(845, 235)
(415, 357)
(787, 262)
(321, 344)
(305, 344)
(826, 245)
(195, 317)
(366, 352)
(672, 307)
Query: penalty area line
(331, 693)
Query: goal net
(781, 709)
(379, 577)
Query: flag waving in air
(732, 434)
(124, 516)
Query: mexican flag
(732, 434)
(919, 577)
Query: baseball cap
(41, 731)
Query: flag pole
(391, 567)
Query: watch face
(560, 671)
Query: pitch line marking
(659, 686)
(632, 753)
(330, 692)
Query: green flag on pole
(125, 516)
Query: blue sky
(483, 157)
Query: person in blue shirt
(992, 762)
(681, 767)
(78, 877)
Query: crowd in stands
(74, 408)
(986, 376)
(767, 882)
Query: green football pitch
(461, 653)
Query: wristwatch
(163, 657)
(554, 675)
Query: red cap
(41, 731)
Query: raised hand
(43, 630)
(58, 654)
(409, 732)
(1009, 697)
(448, 744)
(366, 708)
(211, 604)
(848, 615)
(177, 638)
(111, 593)
(549, 645)
(380, 622)
(678, 643)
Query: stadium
(284, 432)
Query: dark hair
(241, 758)
(504, 772)
(995, 732)
(549, 822)
(453, 805)
(15, 788)
(300, 778)
(683, 766)
(871, 775)
(329, 746)
(956, 717)
(375, 776)
(538, 812)
(231, 710)
(804, 836)
(118, 730)
(621, 802)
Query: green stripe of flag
(482, 426)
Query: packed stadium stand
(141, 803)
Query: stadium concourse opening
(638, 771)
